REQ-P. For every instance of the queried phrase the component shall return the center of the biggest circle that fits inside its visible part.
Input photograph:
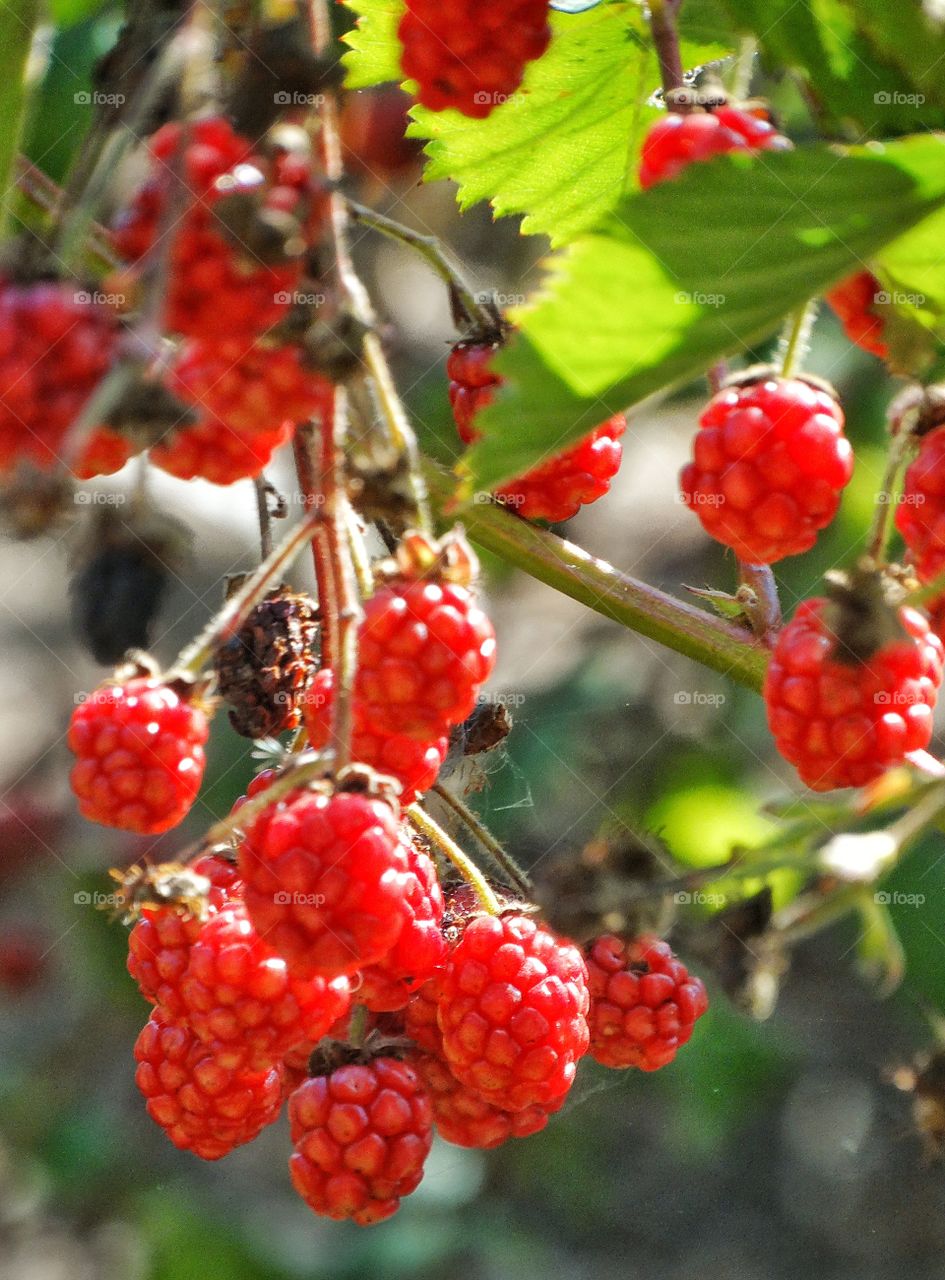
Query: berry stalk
(500, 856)
(422, 821)
(666, 39)
(715, 643)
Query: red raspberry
(361, 1135)
(203, 1102)
(326, 879)
(159, 944)
(557, 489)
(471, 56)
(854, 301)
(140, 761)
(413, 764)
(215, 290)
(676, 141)
(54, 349)
(842, 724)
(643, 1002)
(237, 991)
(769, 462)
(513, 1004)
(420, 1020)
(106, 452)
(420, 949)
(424, 650)
(462, 1116)
(249, 386)
(920, 516)
(210, 450)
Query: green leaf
(851, 83)
(648, 299)
(66, 13)
(912, 270)
(564, 148)
(374, 56)
(906, 34)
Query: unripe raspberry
(221, 284)
(249, 386)
(558, 488)
(420, 949)
(238, 992)
(362, 1134)
(212, 451)
(854, 302)
(842, 723)
(326, 878)
(55, 347)
(471, 56)
(412, 763)
(463, 1116)
(769, 463)
(159, 944)
(139, 755)
(677, 141)
(201, 1100)
(920, 515)
(644, 1003)
(512, 1008)
(424, 650)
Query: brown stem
(306, 445)
(666, 39)
(496, 852)
(758, 596)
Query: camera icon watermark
(900, 499)
(887, 99)
(89, 898)
(286, 899)
(95, 99)
(700, 499)
(697, 698)
(685, 898)
(897, 899)
(294, 299)
(98, 299)
(501, 299)
(502, 699)
(484, 99)
(894, 298)
(97, 498)
(284, 99)
(899, 698)
(684, 299)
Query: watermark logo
(293, 299)
(95, 99)
(501, 299)
(699, 899)
(886, 99)
(95, 498)
(97, 299)
(899, 698)
(897, 899)
(283, 99)
(484, 99)
(502, 699)
(900, 499)
(88, 898)
(696, 698)
(887, 298)
(684, 299)
(285, 899)
(700, 499)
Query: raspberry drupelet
(676, 141)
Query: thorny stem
(433, 252)
(499, 855)
(47, 196)
(454, 854)
(758, 596)
(666, 39)
(305, 447)
(795, 340)
(359, 556)
(884, 512)
(237, 609)
(721, 645)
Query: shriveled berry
(512, 1008)
(361, 1136)
(325, 880)
(203, 1102)
(644, 1002)
(471, 56)
(676, 141)
(769, 463)
(842, 723)
(139, 755)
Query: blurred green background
(766, 1150)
